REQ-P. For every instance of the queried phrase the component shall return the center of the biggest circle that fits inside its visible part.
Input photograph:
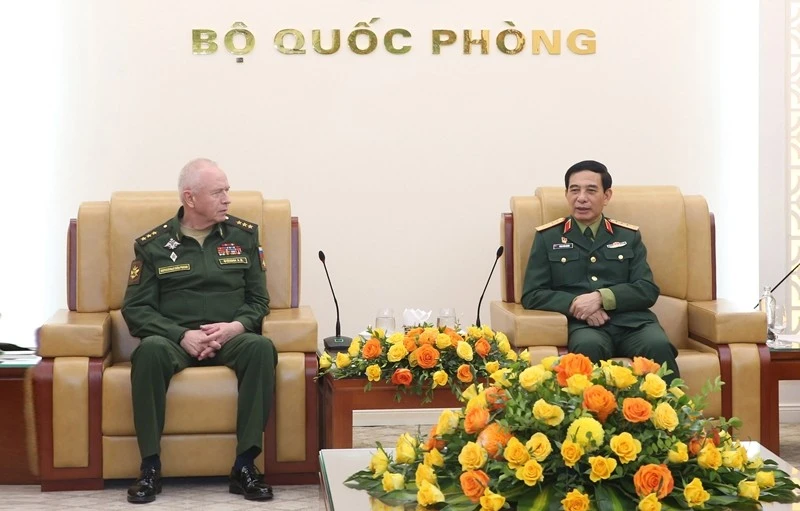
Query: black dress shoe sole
(144, 499)
(235, 488)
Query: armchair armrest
(722, 322)
(292, 329)
(75, 334)
(529, 327)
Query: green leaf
(537, 499)
(609, 498)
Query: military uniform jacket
(176, 285)
(564, 264)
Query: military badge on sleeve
(261, 257)
(136, 272)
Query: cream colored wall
(398, 166)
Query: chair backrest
(677, 230)
(100, 249)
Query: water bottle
(766, 304)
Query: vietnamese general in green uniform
(594, 270)
(197, 294)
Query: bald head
(203, 189)
(191, 174)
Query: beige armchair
(713, 337)
(82, 387)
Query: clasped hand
(205, 342)
(589, 307)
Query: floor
(211, 494)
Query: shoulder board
(241, 224)
(623, 224)
(551, 224)
(152, 234)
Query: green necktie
(588, 233)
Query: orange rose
(432, 442)
(402, 377)
(599, 400)
(464, 373)
(455, 338)
(636, 409)
(473, 483)
(372, 349)
(643, 365)
(482, 347)
(572, 363)
(427, 337)
(698, 442)
(427, 356)
(476, 419)
(496, 398)
(409, 343)
(493, 438)
(653, 478)
(415, 332)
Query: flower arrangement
(572, 435)
(422, 358)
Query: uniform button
(593, 259)
(563, 259)
(594, 279)
(619, 257)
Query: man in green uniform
(594, 270)
(196, 296)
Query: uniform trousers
(153, 363)
(608, 341)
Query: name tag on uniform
(172, 269)
(617, 244)
(561, 246)
(232, 260)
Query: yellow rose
(474, 332)
(677, 392)
(472, 457)
(530, 473)
(620, 376)
(571, 452)
(373, 372)
(396, 338)
(650, 503)
(515, 453)
(575, 501)
(325, 361)
(433, 458)
(679, 453)
(342, 360)
(393, 482)
(503, 346)
(379, 333)
(511, 355)
(755, 463)
(540, 446)
(447, 423)
(412, 358)
(442, 341)
(765, 479)
(695, 494)
(396, 353)
(577, 383)
(552, 415)
(602, 467)
(355, 347)
(653, 386)
(471, 392)
(709, 457)
(440, 378)
(406, 450)
(464, 350)
(587, 432)
(732, 459)
(742, 453)
(424, 473)
(664, 416)
(525, 356)
(487, 332)
(428, 493)
(379, 463)
(377, 505)
(500, 337)
(749, 489)
(532, 377)
(500, 377)
(478, 401)
(492, 501)
(492, 366)
(625, 447)
(549, 362)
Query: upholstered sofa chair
(713, 337)
(82, 386)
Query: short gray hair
(187, 179)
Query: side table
(14, 467)
(784, 365)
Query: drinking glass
(778, 326)
(385, 319)
(447, 318)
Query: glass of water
(778, 326)
(447, 318)
(384, 319)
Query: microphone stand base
(337, 343)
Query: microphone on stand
(499, 253)
(780, 282)
(336, 342)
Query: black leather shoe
(146, 487)
(250, 483)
